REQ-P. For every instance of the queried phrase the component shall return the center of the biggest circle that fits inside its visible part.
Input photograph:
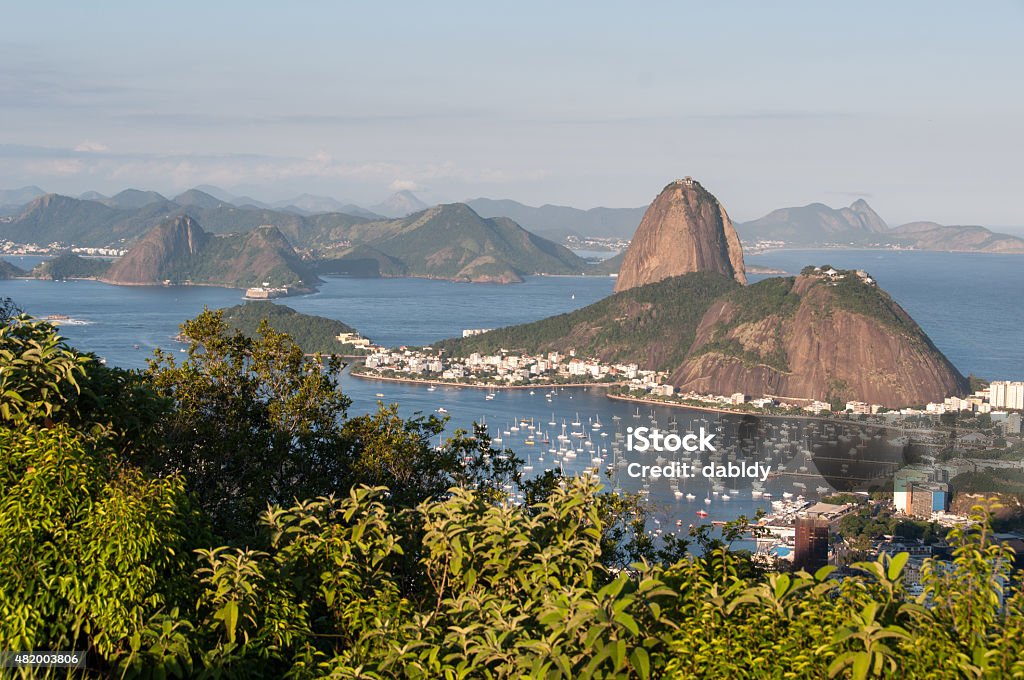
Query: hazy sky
(918, 107)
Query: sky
(915, 106)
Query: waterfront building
(811, 550)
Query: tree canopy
(225, 517)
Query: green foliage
(71, 266)
(433, 573)
(311, 333)
(40, 376)
(842, 499)
(769, 297)
(651, 325)
(853, 295)
(452, 241)
(9, 271)
(8, 310)
(255, 421)
(990, 481)
(90, 549)
(44, 381)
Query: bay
(966, 303)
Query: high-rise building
(811, 544)
(903, 481)
(1006, 394)
(1012, 425)
(928, 498)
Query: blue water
(968, 304)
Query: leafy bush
(434, 574)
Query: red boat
(702, 514)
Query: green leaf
(641, 662)
(896, 565)
(229, 615)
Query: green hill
(610, 266)
(180, 251)
(453, 242)
(651, 325)
(71, 266)
(55, 218)
(9, 271)
(825, 335)
(362, 261)
(311, 333)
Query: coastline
(445, 383)
(714, 409)
(755, 253)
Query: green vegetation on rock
(9, 271)
(312, 333)
(71, 266)
(655, 323)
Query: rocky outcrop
(825, 335)
(179, 251)
(684, 230)
(821, 339)
(165, 250)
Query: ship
(265, 292)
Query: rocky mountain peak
(684, 230)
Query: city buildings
(1006, 394)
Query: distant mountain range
(30, 216)
(556, 222)
(400, 204)
(166, 242)
(858, 225)
(11, 200)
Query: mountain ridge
(817, 224)
(180, 251)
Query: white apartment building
(1006, 394)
